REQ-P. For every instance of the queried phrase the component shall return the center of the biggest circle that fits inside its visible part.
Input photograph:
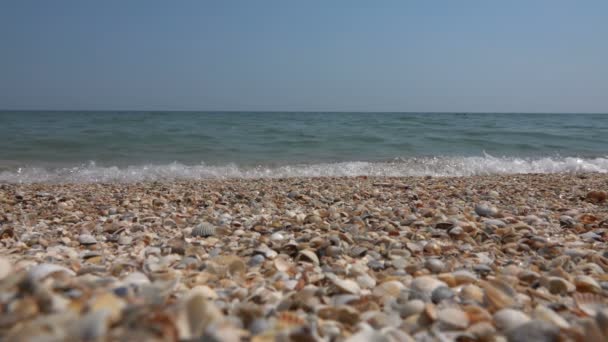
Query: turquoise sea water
(135, 146)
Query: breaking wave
(420, 166)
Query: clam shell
(453, 318)
(346, 285)
(87, 239)
(545, 314)
(5, 268)
(388, 289)
(199, 312)
(589, 303)
(585, 283)
(507, 319)
(42, 271)
(203, 230)
(308, 255)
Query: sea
(123, 146)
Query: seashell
(344, 314)
(345, 285)
(394, 334)
(596, 196)
(453, 318)
(464, 277)
(425, 285)
(442, 293)
(589, 303)
(388, 289)
(357, 252)
(534, 330)
(472, 292)
(282, 263)
(313, 219)
(496, 298)
(430, 312)
(434, 265)
(125, 240)
(560, 286)
(482, 331)
(266, 251)
(567, 221)
(136, 279)
(476, 314)
(5, 268)
(494, 223)
(42, 271)
(277, 237)
(91, 327)
(110, 303)
(199, 313)
(587, 218)
(444, 225)
(412, 307)
(308, 255)
(378, 319)
(585, 283)
(87, 239)
(414, 247)
(289, 320)
(485, 210)
(367, 334)
(507, 319)
(432, 248)
(256, 260)
(545, 314)
(203, 230)
(528, 276)
(366, 281)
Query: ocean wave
(421, 166)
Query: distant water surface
(134, 146)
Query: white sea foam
(434, 166)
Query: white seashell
(507, 319)
(309, 256)
(366, 281)
(388, 289)
(136, 279)
(42, 271)
(589, 303)
(5, 268)
(345, 285)
(545, 314)
(425, 285)
(87, 239)
(200, 312)
(585, 283)
(486, 210)
(412, 307)
(453, 318)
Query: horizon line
(290, 111)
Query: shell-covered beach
(482, 258)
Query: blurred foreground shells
(492, 258)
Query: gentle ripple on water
(325, 143)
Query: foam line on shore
(422, 166)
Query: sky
(412, 56)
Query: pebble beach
(481, 258)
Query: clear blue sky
(457, 55)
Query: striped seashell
(203, 230)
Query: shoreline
(400, 258)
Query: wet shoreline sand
(475, 258)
